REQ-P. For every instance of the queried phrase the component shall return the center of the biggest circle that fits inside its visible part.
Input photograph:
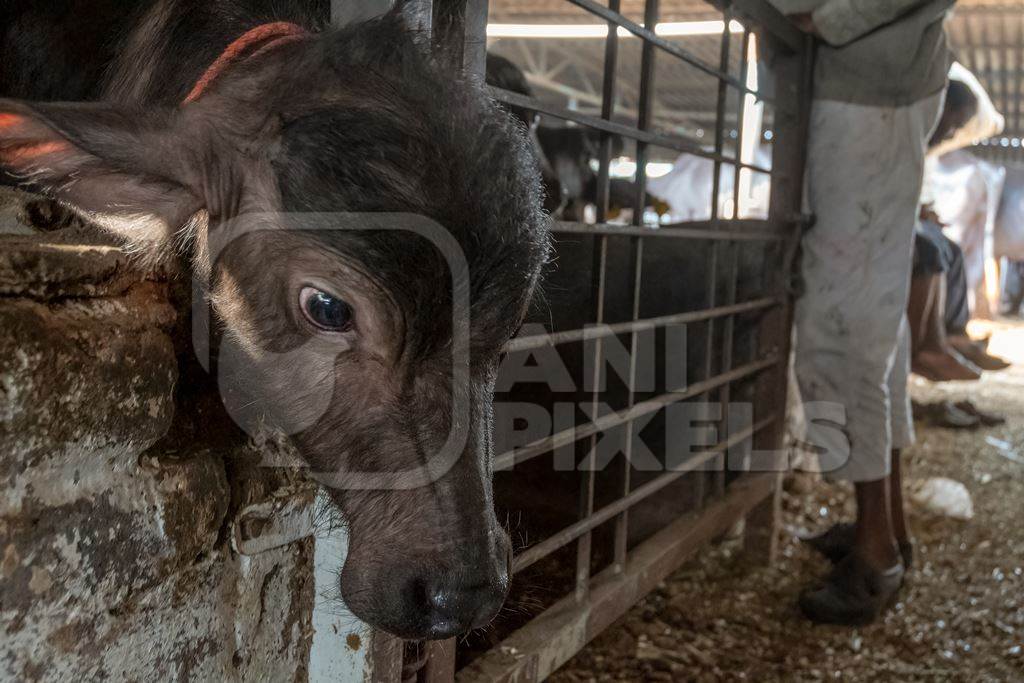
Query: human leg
(864, 179)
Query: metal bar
(716, 178)
(511, 458)
(651, 38)
(636, 263)
(792, 120)
(474, 58)
(1019, 76)
(728, 231)
(1019, 85)
(1004, 60)
(724, 394)
(611, 60)
(622, 521)
(583, 547)
(711, 285)
(742, 105)
(596, 519)
(554, 338)
(669, 142)
(587, 486)
(548, 641)
(458, 33)
(643, 121)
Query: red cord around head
(265, 36)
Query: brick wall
(121, 484)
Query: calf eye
(324, 310)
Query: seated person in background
(938, 310)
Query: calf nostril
(439, 599)
(453, 607)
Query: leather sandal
(986, 418)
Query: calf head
(351, 340)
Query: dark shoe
(836, 543)
(854, 594)
(947, 414)
(985, 418)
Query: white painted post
(342, 647)
(340, 652)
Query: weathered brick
(114, 554)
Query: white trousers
(864, 172)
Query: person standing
(880, 75)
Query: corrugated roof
(988, 36)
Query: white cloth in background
(965, 192)
(865, 166)
(986, 122)
(687, 189)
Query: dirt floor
(961, 614)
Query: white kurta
(865, 166)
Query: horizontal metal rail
(668, 46)
(531, 450)
(672, 142)
(688, 230)
(537, 341)
(599, 517)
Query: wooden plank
(385, 658)
(440, 667)
(792, 117)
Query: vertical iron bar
(725, 393)
(637, 250)
(1005, 57)
(792, 113)
(611, 57)
(583, 545)
(474, 58)
(712, 280)
(741, 110)
(1019, 85)
(458, 33)
(720, 111)
(644, 112)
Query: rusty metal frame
(552, 637)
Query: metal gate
(731, 247)
(720, 495)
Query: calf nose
(454, 607)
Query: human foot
(836, 543)
(975, 352)
(943, 366)
(854, 594)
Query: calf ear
(117, 167)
